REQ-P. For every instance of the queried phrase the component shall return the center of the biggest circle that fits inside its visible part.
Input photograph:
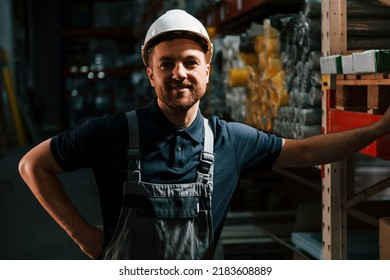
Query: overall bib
(164, 221)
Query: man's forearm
(332, 147)
(51, 195)
(327, 148)
(39, 170)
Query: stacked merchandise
(267, 89)
(300, 48)
(271, 75)
(260, 76)
(234, 95)
(300, 39)
(367, 25)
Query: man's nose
(179, 72)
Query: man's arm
(38, 169)
(327, 148)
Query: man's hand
(91, 241)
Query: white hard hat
(176, 24)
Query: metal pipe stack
(300, 51)
(367, 25)
(271, 74)
(235, 91)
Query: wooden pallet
(364, 93)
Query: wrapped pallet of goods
(262, 75)
(300, 48)
(276, 64)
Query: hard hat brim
(177, 34)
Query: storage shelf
(237, 11)
(349, 101)
(107, 71)
(362, 88)
(121, 32)
(363, 79)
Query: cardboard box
(384, 238)
(347, 64)
(371, 61)
(331, 64)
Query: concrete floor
(27, 232)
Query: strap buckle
(134, 159)
(206, 162)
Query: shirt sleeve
(254, 147)
(88, 144)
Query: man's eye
(191, 63)
(166, 65)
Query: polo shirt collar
(162, 125)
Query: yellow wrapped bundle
(259, 44)
(277, 85)
(264, 78)
(249, 58)
(262, 61)
(274, 65)
(238, 77)
(272, 46)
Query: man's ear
(208, 69)
(150, 76)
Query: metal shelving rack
(336, 206)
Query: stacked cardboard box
(370, 61)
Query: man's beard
(181, 103)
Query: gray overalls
(164, 221)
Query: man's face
(179, 73)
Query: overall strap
(205, 172)
(208, 137)
(133, 150)
(132, 122)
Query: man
(165, 175)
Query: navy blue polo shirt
(170, 154)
